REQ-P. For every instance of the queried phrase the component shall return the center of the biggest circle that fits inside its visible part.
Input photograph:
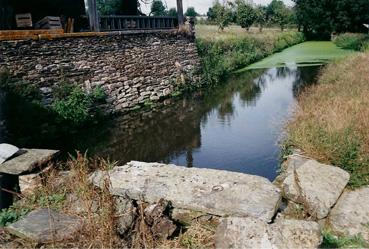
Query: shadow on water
(234, 126)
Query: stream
(235, 126)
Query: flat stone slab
(44, 225)
(235, 232)
(317, 186)
(7, 151)
(211, 191)
(27, 160)
(350, 216)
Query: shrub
(73, 104)
(358, 42)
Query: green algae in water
(305, 54)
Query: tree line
(317, 18)
(321, 18)
(245, 14)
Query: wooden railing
(115, 22)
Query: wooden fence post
(93, 16)
(180, 14)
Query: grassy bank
(332, 117)
(357, 42)
(223, 52)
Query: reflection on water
(235, 126)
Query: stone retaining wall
(131, 68)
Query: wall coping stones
(211, 191)
(11, 35)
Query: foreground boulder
(44, 226)
(211, 191)
(350, 216)
(317, 186)
(254, 233)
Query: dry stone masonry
(132, 69)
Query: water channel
(235, 126)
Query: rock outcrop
(316, 186)
(254, 233)
(350, 216)
(211, 191)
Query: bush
(219, 57)
(73, 104)
(358, 42)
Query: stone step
(211, 191)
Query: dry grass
(211, 32)
(331, 121)
(198, 235)
(73, 194)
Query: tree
(109, 7)
(319, 18)
(279, 13)
(210, 14)
(191, 12)
(246, 15)
(158, 8)
(261, 17)
(222, 15)
(172, 12)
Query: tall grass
(331, 121)
(358, 42)
(222, 53)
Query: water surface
(310, 53)
(234, 126)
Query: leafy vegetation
(191, 12)
(358, 42)
(71, 104)
(221, 15)
(75, 105)
(220, 55)
(246, 15)
(331, 120)
(321, 18)
(158, 8)
(332, 241)
(109, 7)
(279, 13)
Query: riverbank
(331, 119)
(221, 53)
